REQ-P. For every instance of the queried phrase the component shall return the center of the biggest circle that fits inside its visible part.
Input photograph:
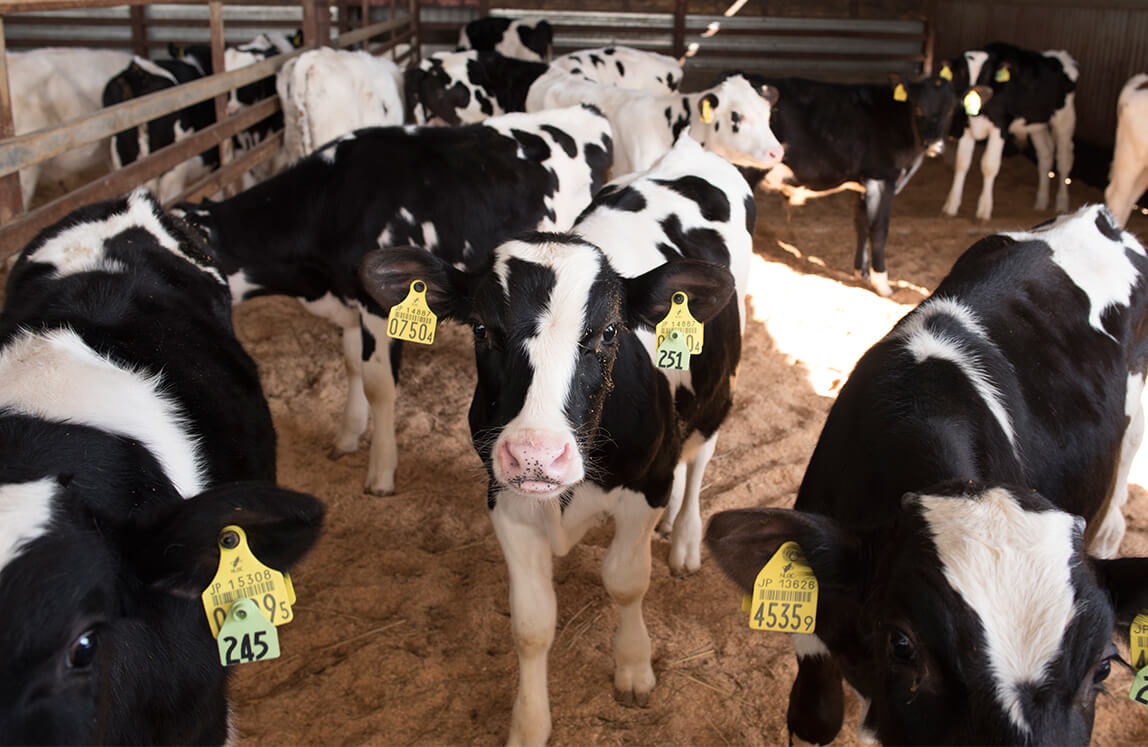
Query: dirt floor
(402, 629)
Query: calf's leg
(960, 171)
(878, 206)
(686, 540)
(1042, 143)
(379, 386)
(1063, 124)
(990, 167)
(355, 410)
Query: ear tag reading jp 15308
(679, 318)
(411, 319)
(900, 93)
(241, 576)
(247, 635)
(785, 593)
(674, 353)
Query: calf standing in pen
(570, 416)
(868, 138)
(456, 192)
(523, 39)
(1033, 96)
(941, 510)
(1128, 177)
(132, 425)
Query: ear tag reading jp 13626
(242, 576)
(679, 318)
(411, 319)
(247, 635)
(674, 353)
(785, 593)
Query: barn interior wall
(1108, 40)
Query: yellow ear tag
(673, 352)
(899, 93)
(411, 319)
(242, 576)
(972, 103)
(1138, 641)
(247, 635)
(946, 73)
(1002, 75)
(785, 593)
(746, 602)
(679, 318)
(707, 112)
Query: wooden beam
(138, 16)
(215, 23)
(679, 34)
(220, 178)
(11, 198)
(375, 29)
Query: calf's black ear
(743, 540)
(708, 285)
(387, 274)
(1126, 580)
(175, 547)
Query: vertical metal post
(217, 66)
(138, 15)
(930, 37)
(679, 40)
(11, 199)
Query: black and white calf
(1128, 176)
(1033, 96)
(133, 429)
(456, 192)
(570, 416)
(731, 119)
(963, 596)
(868, 138)
(524, 39)
(469, 86)
(624, 67)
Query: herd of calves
(951, 550)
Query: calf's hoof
(631, 698)
(880, 283)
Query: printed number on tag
(679, 318)
(246, 635)
(785, 593)
(242, 576)
(411, 319)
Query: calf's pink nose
(535, 456)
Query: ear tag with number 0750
(673, 352)
(785, 593)
(241, 575)
(679, 318)
(411, 319)
(246, 635)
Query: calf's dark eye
(83, 650)
(608, 333)
(1103, 669)
(479, 331)
(901, 648)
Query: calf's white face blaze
(537, 452)
(25, 510)
(1013, 568)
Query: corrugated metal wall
(1108, 39)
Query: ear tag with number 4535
(411, 319)
(242, 576)
(680, 318)
(785, 593)
(673, 352)
(247, 635)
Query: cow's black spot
(1106, 227)
(608, 50)
(534, 148)
(576, 71)
(696, 243)
(621, 69)
(750, 212)
(564, 140)
(484, 103)
(669, 115)
(596, 60)
(599, 159)
(670, 82)
(625, 198)
(712, 202)
(682, 123)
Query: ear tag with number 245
(411, 319)
(246, 635)
(785, 593)
(1138, 645)
(242, 576)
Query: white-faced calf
(963, 596)
(133, 429)
(570, 416)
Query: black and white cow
(624, 67)
(133, 429)
(1128, 175)
(962, 594)
(1033, 96)
(731, 119)
(525, 39)
(570, 416)
(456, 192)
(868, 138)
(468, 86)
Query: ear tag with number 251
(673, 352)
(246, 635)
(241, 575)
(1138, 645)
(679, 318)
(785, 593)
(411, 319)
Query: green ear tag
(673, 352)
(679, 318)
(411, 319)
(785, 593)
(1139, 691)
(247, 635)
(1138, 641)
(241, 575)
(972, 103)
